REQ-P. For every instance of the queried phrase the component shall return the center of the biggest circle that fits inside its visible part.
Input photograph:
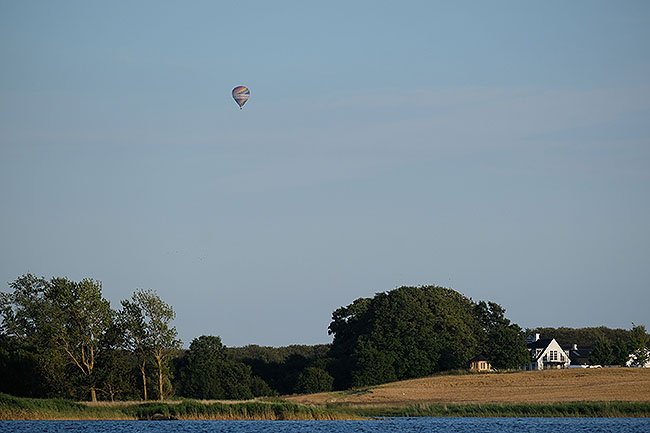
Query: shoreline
(17, 408)
(619, 392)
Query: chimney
(536, 337)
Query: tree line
(607, 346)
(60, 338)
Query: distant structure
(480, 364)
(632, 361)
(546, 353)
(579, 356)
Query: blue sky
(499, 148)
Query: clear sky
(499, 148)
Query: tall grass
(15, 408)
(574, 409)
(190, 409)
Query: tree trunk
(144, 380)
(93, 395)
(160, 379)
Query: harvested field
(548, 386)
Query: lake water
(402, 425)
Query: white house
(632, 362)
(546, 353)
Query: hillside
(549, 386)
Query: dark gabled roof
(540, 344)
(480, 358)
(580, 355)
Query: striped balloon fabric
(241, 94)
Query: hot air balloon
(241, 94)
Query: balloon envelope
(241, 94)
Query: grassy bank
(577, 409)
(17, 408)
(14, 408)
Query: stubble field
(548, 386)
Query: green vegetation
(610, 346)
(61, 339)
(18, 408)
(27, 408)
(579, 409)
(207, 372)
(412, 332)
(583, 336)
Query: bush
(314, 379)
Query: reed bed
(14, 408)
(190, 409)
(17, 408)
(572, 409)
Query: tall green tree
(209, 373)
(83, 317)
(620, 352)
(132, 321)
(314, 379)
(20, 369)
(639, 344)
(59, 315)
(27, 311)
(502, 342)
(161, 338)
(601, 353)
(404, 333)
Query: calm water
(456, 425)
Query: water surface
(405, 425)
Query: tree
(601, 353)
(27, 311)
(620, 352)
(404, 333)
(72, 317)
(83, 317)
(638, 343)
(259, 388)
(209, 373)
(160, 338)
(20, 369)
(581, 336)
(501, 341)
(314, 379)
(132, 322)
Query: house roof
(540, 344)
(480, 358)
(579, 355)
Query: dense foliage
(207, 372)
(567, 337)
(281, 367)
(61, 338)
(416, 331)
(501, 341)
(608, 346)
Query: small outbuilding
(480, 364)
